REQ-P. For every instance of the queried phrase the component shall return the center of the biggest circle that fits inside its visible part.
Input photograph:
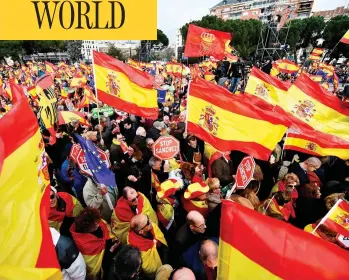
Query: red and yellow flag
(209, 76)
(27, 250)
(275, 249)
(227, 123)
(50, 67)
(79, 80)
(337, 218)
(124, 87)
(345, 38)
(287, 66)
(65, 117)
(317, 144)
(309, 102)
(317, 51)
(314, 57)
(316, 78)
(206, 42)
(134, 64)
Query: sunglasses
(52, 196)
(133, 200)
(148, 223)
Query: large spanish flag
(227, 123)
(125, 88)
(205, 42)
(254, 246)
(345, 38)
(320, 109)
(27, 250)
(317, 144)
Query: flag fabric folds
(345, 38)
(101, 174)
(205, 42)
(125, 88)
(79, 80)
(27, 250)
(227, 123)
(317, 144)
(287, 66)
(65, 117)
(309, 102)
(50, 67)
(254, 246)
(337, 218)
(47, 101)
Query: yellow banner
(78, 20)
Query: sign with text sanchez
(78, 20)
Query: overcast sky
(173, 14)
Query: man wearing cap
(195, 198)
(130, 204)
(167, 202)
(148, 238)
(62, 205)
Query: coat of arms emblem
(311, 146)
(304, 109)
(343, 220)
(262, 91)
(206, 43)
(208, 120)
(112, 84)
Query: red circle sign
(166, 147)
(245, 172)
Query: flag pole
(283, 146)
(327, 215)
(333, 48)
(186, 117)
(94, 78)
(265, 210)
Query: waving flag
(317, 51)
(317, 144)
(125, 88)
(50, 67)
(227, 123)
(79, 80)
(309, 102)
(337, 218)
(101, 174)
(205, 42)
(27, 250)
(275, 249)
(287, 66)
(47, 104)
(345, 38)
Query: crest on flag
(262, 91)
(112, 84)
(208, 120)
(342, 219)
(304, 109)
(311, 146)
(206, 43)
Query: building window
(245, 13)
(255, 13)
(226, 10)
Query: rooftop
(229, 2)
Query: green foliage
(333, 32)
(12, 49)
(74, 49)
(115, 52)
(161, 38)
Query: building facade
(178, 44)
(328, 14)
(87, 49)
(282, 10)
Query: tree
(161, 39)
(74, 49)
(13, 49)
(333, 32)
(115, 52)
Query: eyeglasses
(52, 196)
(148, 224)
(133, 200)
(201, 226)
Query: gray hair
(141, 131)
(153, 160)
(148, 140)
(314, 162)
(206, 252)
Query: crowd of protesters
(165, 220)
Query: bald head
(209, 253)
(137, 222)
(196, 222)
(183, 274)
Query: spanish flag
(316, 78)
(314, 57)
(263, 86)
(50, 67)
(79, 80)
(47, 104)
(209, 76)
(27, 250)
(345, 38)
(83, 66)
(177, 69)
(65, 117)
(335, 82)
(309, 102)
(317, 51)
(125, 88)
(317, 144)
(231, 58)
(133, 63)
(92, 248)
(169, 68)
(88, 93)
(287, 66)
(205, 42)
(337, 218)
(227, 123)
(274, 70)
(275, 249)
